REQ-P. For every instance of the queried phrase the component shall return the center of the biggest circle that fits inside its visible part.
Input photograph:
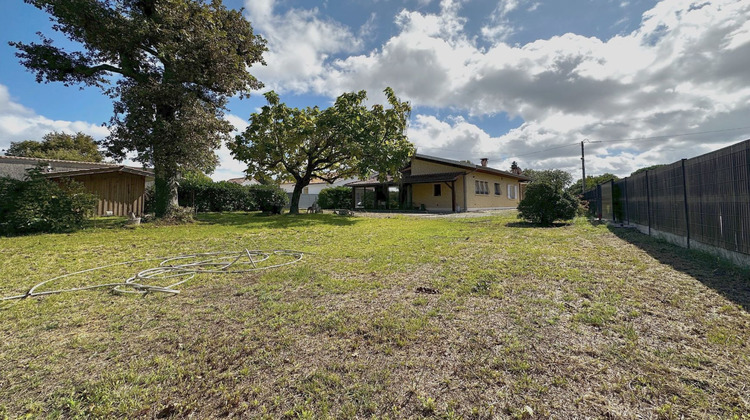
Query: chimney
(484, 161)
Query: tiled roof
(430, 178)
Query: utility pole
(583, 169)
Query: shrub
(335, 198)
(268, 198)
(543, 204)
(205, 195)
(40, 205)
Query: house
(121, 189)
(443, 185)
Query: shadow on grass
(535, 225)
(729, 280)
(275, 221)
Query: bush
(543, 204)
(335, 198)
(40, 205)
(268, 198)
(205, 195)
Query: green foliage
(591, 182)
(648, 168)
(205, 195)
(345, 140)
(555, 177)
(170, 65)
(335, 198)
(269, 198)
(40, 205)
(544, 203)
(63, 146)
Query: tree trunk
(298, 187)
(165, 189)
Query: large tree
(79, 146)
(345, 140)
(170, 65)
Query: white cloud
(299, 42)
(18, 123)
(228, 166)
(683, 70)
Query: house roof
(431, 178)
(236, 180)
(470, 166)
(94, 171)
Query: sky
(640, 82)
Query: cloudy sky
(644, 82)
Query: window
(481, 187)
(497, 189)
(512, 189)
(436, 190)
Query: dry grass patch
(388, 317)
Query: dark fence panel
(607, 208)
(719, 198)
(704, 199)
(637, 203)
(667, 198)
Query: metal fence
(705, 199)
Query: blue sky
(508, 79)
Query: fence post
(685, 194)
(648, 203)
(627, 203)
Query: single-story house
(443, 185)
(121, 189)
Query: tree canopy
(345, 140)
(555, 177)
(63, 146)
(170, 65)
(591, 182)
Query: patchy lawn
(389, 317)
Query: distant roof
(236, 180)
(478, 168)
(93, 171)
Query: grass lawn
(574, 321)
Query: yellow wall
(479, 201)
(422, 194)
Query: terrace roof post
(453, 196)
(354, 198)
(685, 199)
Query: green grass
(574, 321)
